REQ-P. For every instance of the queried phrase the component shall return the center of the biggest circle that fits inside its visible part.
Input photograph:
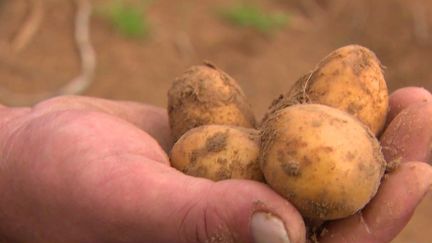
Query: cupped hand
(77, 169)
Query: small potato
(323, 160)
(349, 79)
(206, 95)
(218, 152)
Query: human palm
(76, 169)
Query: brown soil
(186, 32)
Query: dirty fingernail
(267, 228)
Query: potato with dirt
(350, 79)
(323, 160)
(218, 152)
(206, 95)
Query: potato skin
(350, 79)
(218, 152)
(323, 160)
(206, 95)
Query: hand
(75, 169)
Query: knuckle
(204, 223)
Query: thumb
(170, 207)
(241, 211)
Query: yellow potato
(350, 79)
(323, 160)
(206, 95)
(218, 152)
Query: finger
(409, 135)
(7, 114)
(388, 213)
(405, 97)
(151, 119)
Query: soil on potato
(217, 142)
(186, 32)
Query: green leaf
(251, 16)
(129, 20)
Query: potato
(323, 160)
(218, 152)
(350, 79)
(206, 95)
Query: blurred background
(133, 49)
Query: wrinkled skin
(75, 169)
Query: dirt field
(186, 32)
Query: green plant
(127, 18)
(252, 16)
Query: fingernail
(267, 228)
